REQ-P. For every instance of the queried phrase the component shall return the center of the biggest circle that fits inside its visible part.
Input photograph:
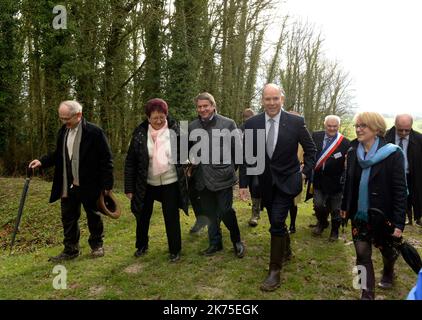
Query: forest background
(114, 55)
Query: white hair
(73, 105)
(404, 115)
(332, 117)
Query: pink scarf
(160, 161)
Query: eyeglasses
(155, 119)
(404, 130)
(64, 119)
(361, 126)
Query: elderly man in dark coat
(83, 168)
(410, 141)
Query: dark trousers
(195, 201)
(411, 213)
(277, 212)
(168, 195)
(71, 212)
(254, 187)
(217, 207)
(325, 203)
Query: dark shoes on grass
(64, 256)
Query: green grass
(319, 269)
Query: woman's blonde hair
(374, 121)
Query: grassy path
(319, 270)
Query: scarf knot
(160, 157)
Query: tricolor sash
(329, 151)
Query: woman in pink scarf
(150, 174)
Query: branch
(124, 84)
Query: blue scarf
(366, 162)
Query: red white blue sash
(327, 153)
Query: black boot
(256, 209)
(287, 251)
(368, 291)
(272, 282)
(322, 215)
(335, 225)
(367, 295)
(387, 273)
(409, 217)
(293, 215)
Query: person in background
(200, 219)
(328, 175)
(150, 174)
(403, 135)
(251, 181)
(375, 179)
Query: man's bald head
(272, 86)
(272, 99)
(403, 124)
(404, 118)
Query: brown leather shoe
(97, 252)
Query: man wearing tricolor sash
(328, 175)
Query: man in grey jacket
(213, 140)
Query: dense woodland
(114, 55)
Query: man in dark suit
(282, 177)
(410, 141)
(83, 169)
(328, 175)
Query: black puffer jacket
(137, 163)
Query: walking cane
(29, 173)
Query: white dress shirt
(276, 126)
(405, 142)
